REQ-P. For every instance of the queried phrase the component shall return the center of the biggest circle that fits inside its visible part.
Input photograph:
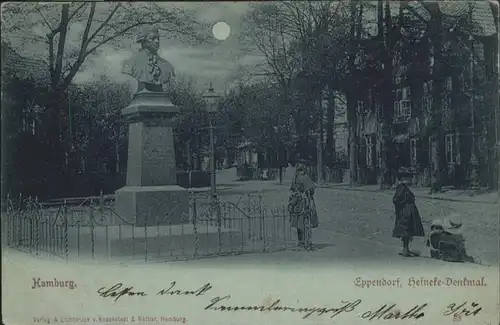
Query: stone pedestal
(151, 193)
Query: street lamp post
(211, 100)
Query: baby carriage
(447, 243)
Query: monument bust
(146, 66)
(151, 194)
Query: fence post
(25, 231)
(78, 239)
(65, 215)
(108, 241)
(19, 221)
(39, 216)
(133, 237)
(29, 225)
(262, 222)
(284, 215)
(157, 218)
(195, 222)
(216, 210)
(8, 218)
(92, 228)
(146, 217)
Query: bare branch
(63, 30)
(105, 23)
(50, 42)
(119, 33)
(83, 4)
(52, 30)
(31, 38)
(81, 59)
(86, 32)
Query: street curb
(227, 187)
(419, 196)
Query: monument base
(152, 205)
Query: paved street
(364, 220)
(355, 225)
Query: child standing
(408, 222)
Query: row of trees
(317, 48)
(71, 34)
(312, 51)
(97, 158)
(98, 139)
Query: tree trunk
(438, 163)
(57, 121)
(351, 96)
(321, 175)
(353, 141)
(330, 130)
(386, 99)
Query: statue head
(149, 38)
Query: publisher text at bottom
(116, 320)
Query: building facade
(467, 103)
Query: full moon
(221, 30)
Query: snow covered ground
(353, 244)
(301, 281)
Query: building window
(448, 84)
(379, 109)
(397, 80)
(446, 103)
(396, 108)
(406, 93)
(428, 87)
(463, 83)
(450, 142)
(402, 109)
(405, 106)
(369, 151)
(361, 107)
(413, 152)
(398, 94)
(427, 104)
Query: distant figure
(408, 222)
(302, 207)
(150, 70)
(447, 243)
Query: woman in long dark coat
(408, 222)
(302, 208)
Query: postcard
(329, 162)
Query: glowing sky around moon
(221, 30)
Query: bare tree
(96, 25)
(295, 40)
(356, 13)
(71, 32)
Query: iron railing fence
(91, 229)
